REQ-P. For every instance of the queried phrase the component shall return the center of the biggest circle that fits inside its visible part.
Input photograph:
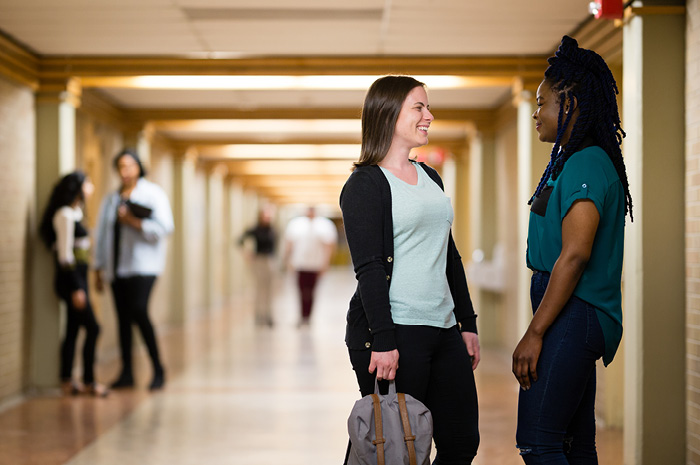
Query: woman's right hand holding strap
(386, 364)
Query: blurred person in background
(130, 254)
(309, 245)
(263, 264)
(63, 232)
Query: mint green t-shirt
(422, 215)
(587, 174)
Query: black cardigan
(366, 205)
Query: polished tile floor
(242, 395)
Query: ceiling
(312, 126)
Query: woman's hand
(79, 299)
(525, 358)
(386, 364)
(124, 216)
(471, 340)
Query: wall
(506, 233)
(17, 209)
(161, 172)
(692, 238)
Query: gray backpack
(395, 429)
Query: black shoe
(124, 381)
(158, 381)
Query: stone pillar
(183, 181)
(214, 266)
(654, 274)
(139, 136)
(533, 157)
(238, 225)
(56, 104)
(482, 224)
(461, 228)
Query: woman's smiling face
(414, 120)
(547, 114)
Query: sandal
(72, 388)
(98, 390)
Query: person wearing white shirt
(309, 244)
(130, 254)
(62, 231)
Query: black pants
(75, 319)
(435, 368)
(131, 299)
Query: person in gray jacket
(130, 254)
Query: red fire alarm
(608, 9)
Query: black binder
(138, 210)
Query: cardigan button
(368, 345)
(390, 259)
(388, 277)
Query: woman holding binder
(130, 254)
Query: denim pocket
(595, 340)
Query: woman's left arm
(578, 231)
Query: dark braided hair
(580, 74)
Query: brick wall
(693, 229)
(17, 163)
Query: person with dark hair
(575, 249)
(63, 232)
(412, 299)
(263, 264)
(130, 254)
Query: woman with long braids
(575, 249)
(63, 232)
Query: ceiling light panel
(285, 14)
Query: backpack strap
(378, 432)
(409, 438)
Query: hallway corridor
(242, 395)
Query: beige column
(484, 282)
(139, 137)
(230, 239)
(238, 225)
(533, 157)
(654, 275)
(183, 182)
(56, 103)
(214, 266)
(461, 229)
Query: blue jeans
(556, 416)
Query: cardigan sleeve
(363, 218)
(464, 309)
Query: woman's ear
(570, 104)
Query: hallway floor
(242, 395)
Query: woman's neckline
(415, 166)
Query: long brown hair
(380, 111)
